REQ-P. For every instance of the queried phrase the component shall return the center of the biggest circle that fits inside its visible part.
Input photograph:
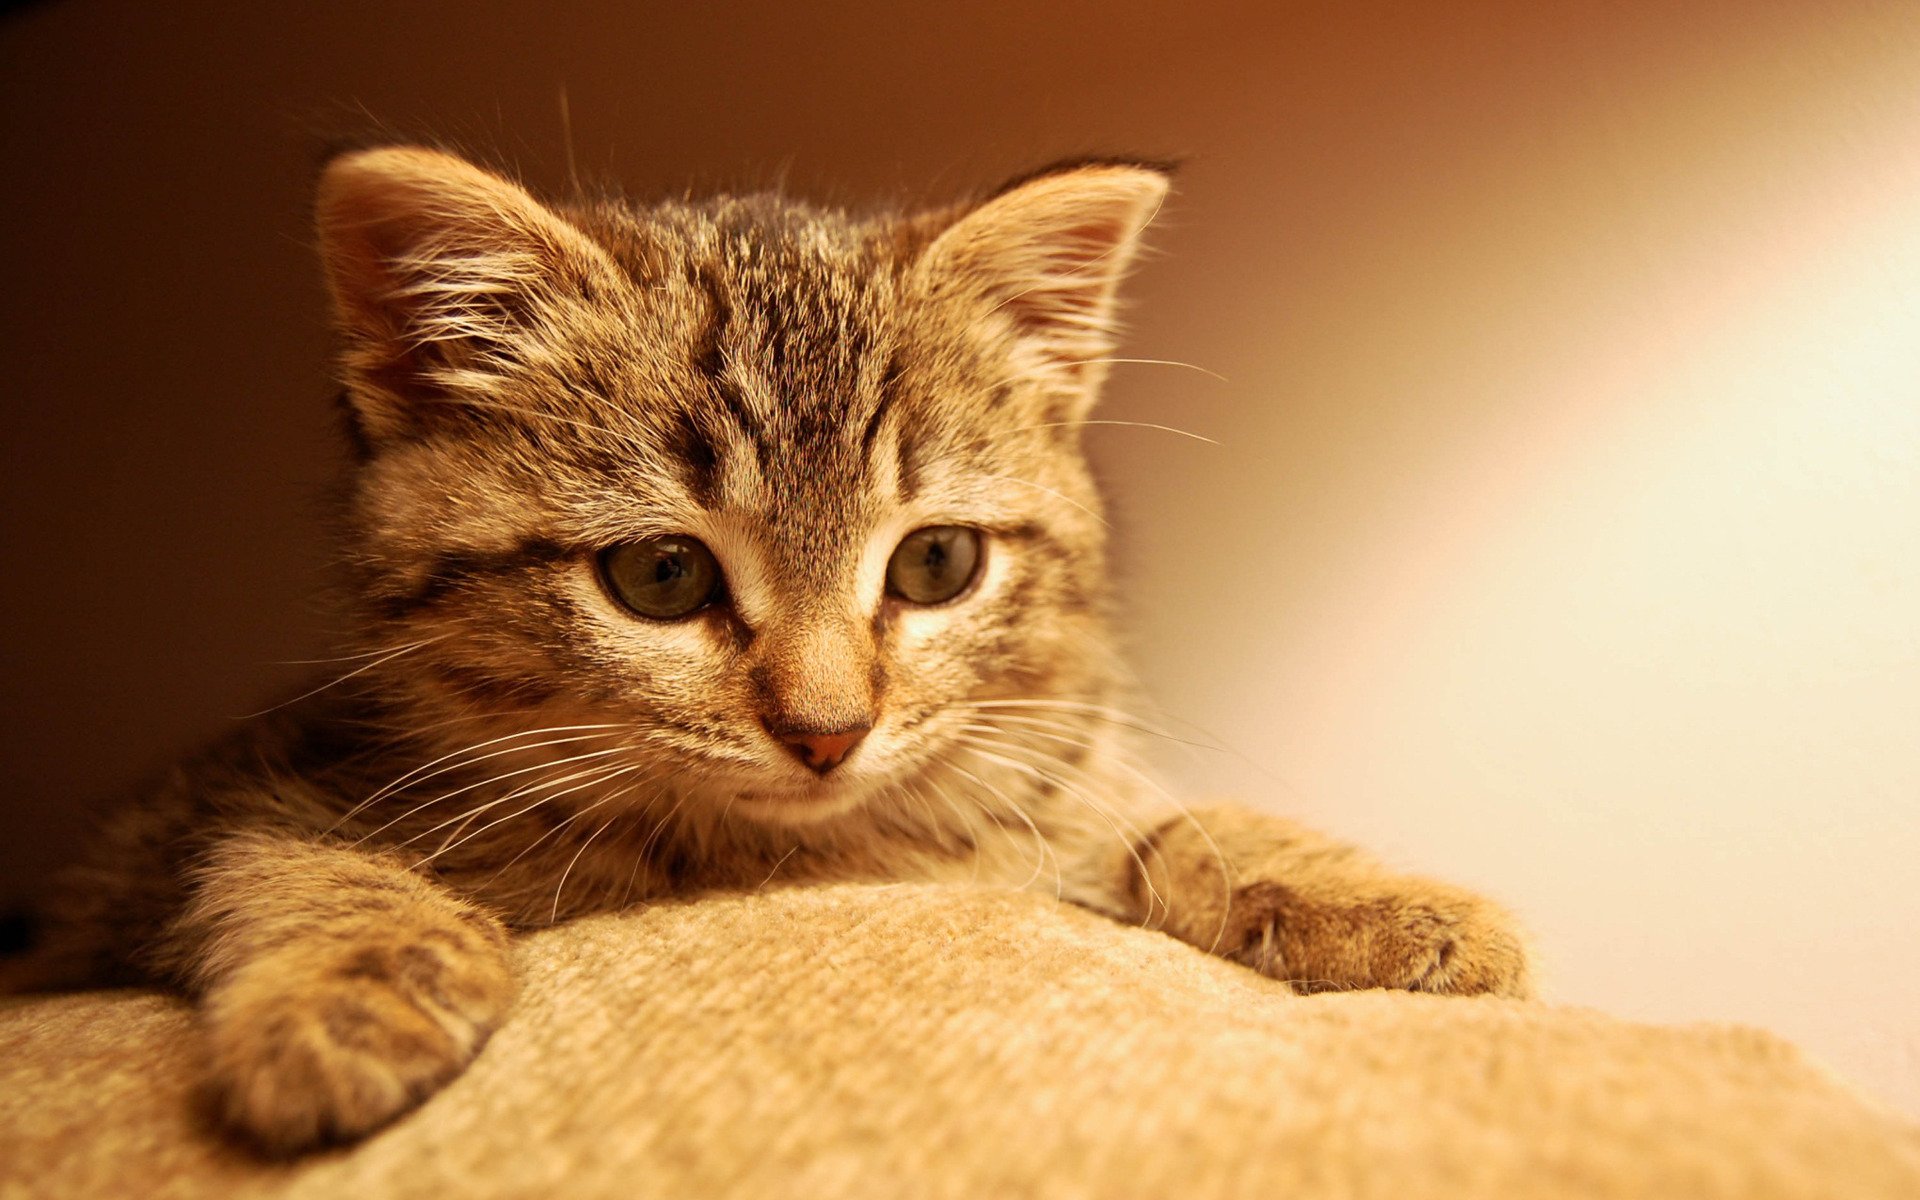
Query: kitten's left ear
(1048, 251)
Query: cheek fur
(948, 653)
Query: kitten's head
(776, 492)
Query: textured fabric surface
(921, 1041)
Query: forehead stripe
(710, 360)
(697, 457)
(888, 390)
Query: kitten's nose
(820, 751)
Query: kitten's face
(654, 469)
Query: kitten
(694, 546)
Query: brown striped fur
(799, 388)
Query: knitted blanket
(928, 1041)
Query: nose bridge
(817, 676)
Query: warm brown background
(1565, 534)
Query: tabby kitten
(694, 546)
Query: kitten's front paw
(1418, 936)
(325, 1043)
(1318, 915)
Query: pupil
(936, 561)
(667, 570)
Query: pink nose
(821, 752)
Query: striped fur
(506, 746)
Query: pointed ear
(1047, 252)
(444, 278)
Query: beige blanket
(918, 1041)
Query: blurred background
(1562, 536)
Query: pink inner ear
(1076, 289)
(1049, 252)
(1062, 304)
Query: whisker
(776, 867)
(923, 790)
(410, 730)
(1152, 362)
(534, 844)
(1041, 487)
(1130, 836)
(639, 860)
(1105, 712)
(1185, 813)
(554, 916)
(566, 139)
(923, 796)
(662, 824)
(314, 662)
(1044, 849)
(485, 780)
(415, 776)
(592, 775)
(1127, 424)
(596, 774)
(409, 648)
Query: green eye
(935, 564)
(664, 578)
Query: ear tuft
(1166, 168)
(1048, 251)
(439, 271)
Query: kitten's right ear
(440, 273)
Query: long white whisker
(554, 916)
(1185, 812)
(316, 662)
(1129, 836)
(662, 824)
(1127, 424)
(531, 846)
(923, 791)
(639, 860)
(1152, 362)
(1044, 849)
(776, 867)
(417, 809)
(411, 728)
(1041, 487)
(415, 773)
(332, 683)
(450, 846)
(1106, 712)
(591, 775)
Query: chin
(807, 804)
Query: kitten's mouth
(794, 796)
(804, 805)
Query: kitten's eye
(664, 578)
(935, 564)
